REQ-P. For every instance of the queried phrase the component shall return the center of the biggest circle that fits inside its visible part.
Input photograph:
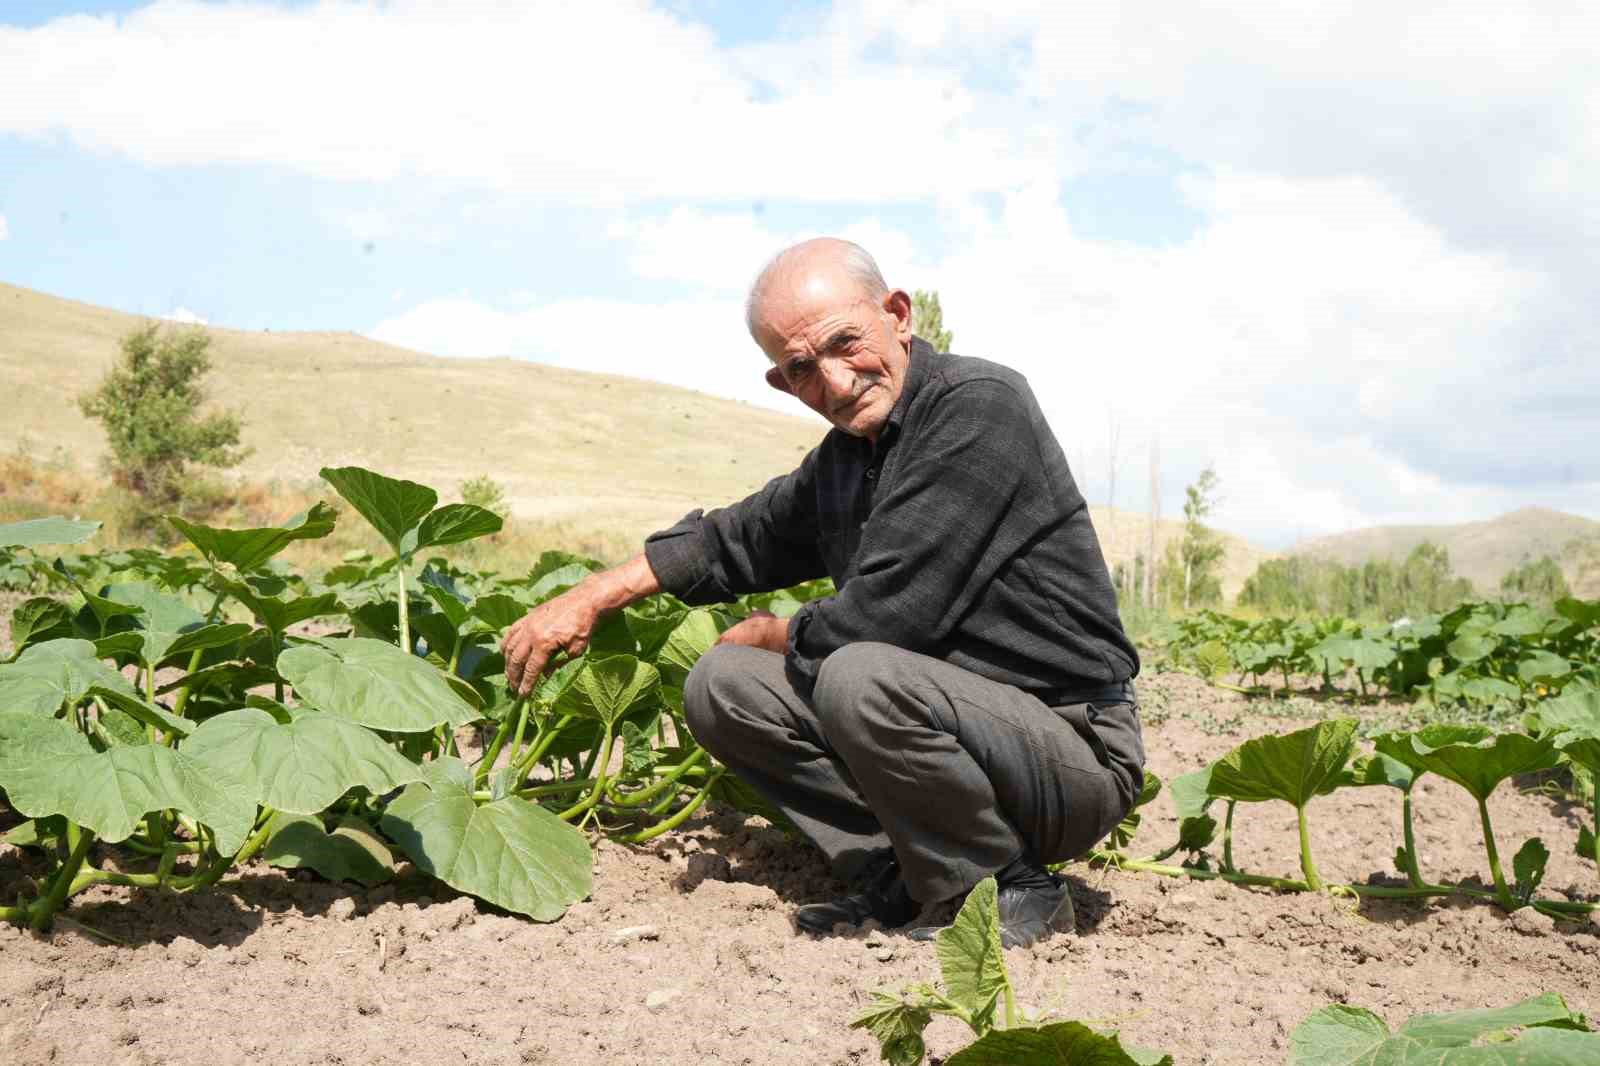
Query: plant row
(976, 989)
(1301, 766)
(167, 716)
(1481, 651)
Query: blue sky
(1340, 253)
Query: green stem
(1307, 867)
(501, 735)
(1502, 893)
(1596, 855)
(213, 873)
(405, 608)
(44, 910)
(586, 804)
(542, 743)
(647, 795)
(183, 694)
(277, 653)
(1233, 877)
(1413, 868)
(1227, 839)
(678, 817)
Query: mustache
(858, 388)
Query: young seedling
(977, 989)
(1477, 760)
(1542, 1030)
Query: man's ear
(776, 379)
(898, 304)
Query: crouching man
(963, 705)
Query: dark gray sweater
(961, 535)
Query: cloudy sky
(1345, 252)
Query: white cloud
(1385, 313)
(185, 316)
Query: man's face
(836, 349)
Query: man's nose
(839, 379)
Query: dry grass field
(590, 462)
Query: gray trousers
(958, 774)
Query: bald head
(839, 338)
(821, 267)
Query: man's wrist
(620, 586)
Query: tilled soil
(686, 953)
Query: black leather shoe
(1027, 915)
(885, 899)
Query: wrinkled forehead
(796, 303)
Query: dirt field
(686, 953)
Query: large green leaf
(47, 675)
(37, 532)
(143, 711)
(1057, 1044)
(1572, 720)
(1336, 652)
(247, 549)
(47, 767)
(692, 638)
(39, 619)
(511, 853)
(1541, 665)
(1470, 756)
(352, 852)
(1379, 769)
(609, 687)
(373, 683)
(454, 523)
(394, 507)
(1292, 767)
(1540, 1031)
(277, 612)
(166, 626)
(971, 958)
(302, 766)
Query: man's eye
(798, 371)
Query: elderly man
(962, 706)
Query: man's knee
(707, 690)
(856, 685)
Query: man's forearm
(621, 586)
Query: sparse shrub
(149, 403)
(485, 492)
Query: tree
(927, 320)
(1201, 549)
(149, 403)
(1540, 581)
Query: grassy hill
(1481, 551)
(589, 456)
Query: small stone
(342, 908)
(186, 951)
(631, 933)
(875, 939)
(443, 917)
(883, 954)
(1530, 922)
(660, 997)
(704, 866)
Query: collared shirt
(961, 534)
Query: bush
(149, 403)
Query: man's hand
(762, 629)
(562, 624)
(566, 622)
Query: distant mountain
(582, 451)
(1484, 552)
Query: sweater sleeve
(953, 515)
(766, 541)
